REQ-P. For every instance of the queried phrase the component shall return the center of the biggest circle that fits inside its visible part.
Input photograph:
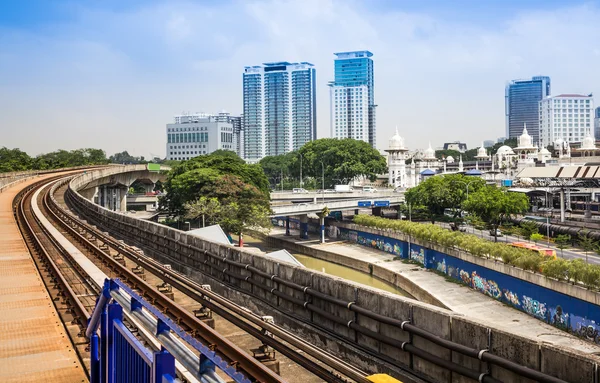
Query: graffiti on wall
(567, 313)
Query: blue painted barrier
(568, 313)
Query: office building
(279, 108)
(488, 143)
(597, 123)
(352, 101)
(522, 101)
(200, 133)
(567, 117)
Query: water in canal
(330, 268)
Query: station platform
(34, 344)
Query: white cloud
(114, 80)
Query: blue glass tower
(522, 100)
(279, 108)
(352, 97)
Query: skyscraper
(352, 100)
(522, 98)
(280, 112)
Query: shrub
(574, 270)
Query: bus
(541, 250)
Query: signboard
(382, 203)
(364, 203)
(153, 167)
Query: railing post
(115, 311)
(94, 360)
(103, 348)
(163, 364)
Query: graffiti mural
(562, 311)
(418, 255)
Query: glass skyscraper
(522, 100)
(597, 123)
(279, 108)
(352, 99)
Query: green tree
(274, 166)
(493, 205)
(125, 158)
(586, 243)
(536, 237)
(341, 160)
(443, 192)
(562, 242)
(528, 228)
(512, 142)
(205, 208)
(14, 160)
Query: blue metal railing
(117, 356)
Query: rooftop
(572, 95)
(352, 54)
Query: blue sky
(111, 74)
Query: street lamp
(323, 181)
(467, 184)
(301, 183)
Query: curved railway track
(78, 291)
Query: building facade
(352, 100)
(280, 112)
(597, 123)
(522, 101)
(458, 146)
(567, 117)
(197, 134)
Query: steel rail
(195, 291)
(222, 346)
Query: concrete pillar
(287, 225)
(149, 188)
(304, 226)
(322, 228)
(123, 198)
(399, 211)
(562, 205)
(355, 211)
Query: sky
(111, 74)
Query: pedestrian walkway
(34, 345)
(456, 297)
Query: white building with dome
(397, 156)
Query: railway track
(119, 260)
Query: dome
(429, 154)
(396, 142)
(505, 150)
(450, 159)
(545, 151)
(588, 143)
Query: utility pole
(301, 183)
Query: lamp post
(301, 183)
(467, 185)
(323, 181)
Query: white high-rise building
(566, 117)
(352, 104)
(279, 108)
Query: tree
(274, 166)
(493, 205)
(341, 161)
(14, 160)
(443, 192)
(562, 242)
(535, 237)
(512, 142)
(586, 243)
(203, 207)
(224, 182)
(125, 158)
(528, 228)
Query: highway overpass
(353, 204)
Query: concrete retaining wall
(552, 301)
(186, 254)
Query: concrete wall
(554, 302)
(187, 254)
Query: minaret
(460, 164)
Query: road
(569, 253)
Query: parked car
(497, 233)
(299, 190)
(343, 188)
(369, 189)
